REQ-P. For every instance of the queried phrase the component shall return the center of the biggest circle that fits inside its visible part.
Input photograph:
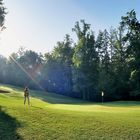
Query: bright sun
(8, 43)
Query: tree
(23, 69)
(58, 67)
(132, 26)
(108, 63)
(102, 44)
(2, 15)
(30, 63)
(3, 67)
(85, 60)
(2, 59)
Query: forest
(108, 62)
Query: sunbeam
(26, 72)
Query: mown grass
(51, 116)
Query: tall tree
(3, 67)
(59, 67)
(85, 60)
(132, 27)
(2, 15)
(105, 70)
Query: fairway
(53, 116)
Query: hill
(53, 116)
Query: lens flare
(26, 72)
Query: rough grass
(52, 116)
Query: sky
(39, 24)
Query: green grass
(52, 116)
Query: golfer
(26, 95)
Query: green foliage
(109, 62)
(2, 15)
(85, 60)
(132, 26)
(58, 68)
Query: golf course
(51, 116)
(69, 70)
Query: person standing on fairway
(26, 95)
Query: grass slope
(52, 116)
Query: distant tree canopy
(109, 62)
(2, 14)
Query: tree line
(108, 62)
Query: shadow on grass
(4, 91)
(122, 104)
(53, 98)
(8, 127)
(49, 97)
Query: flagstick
(102, 97)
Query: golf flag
(102, 93)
